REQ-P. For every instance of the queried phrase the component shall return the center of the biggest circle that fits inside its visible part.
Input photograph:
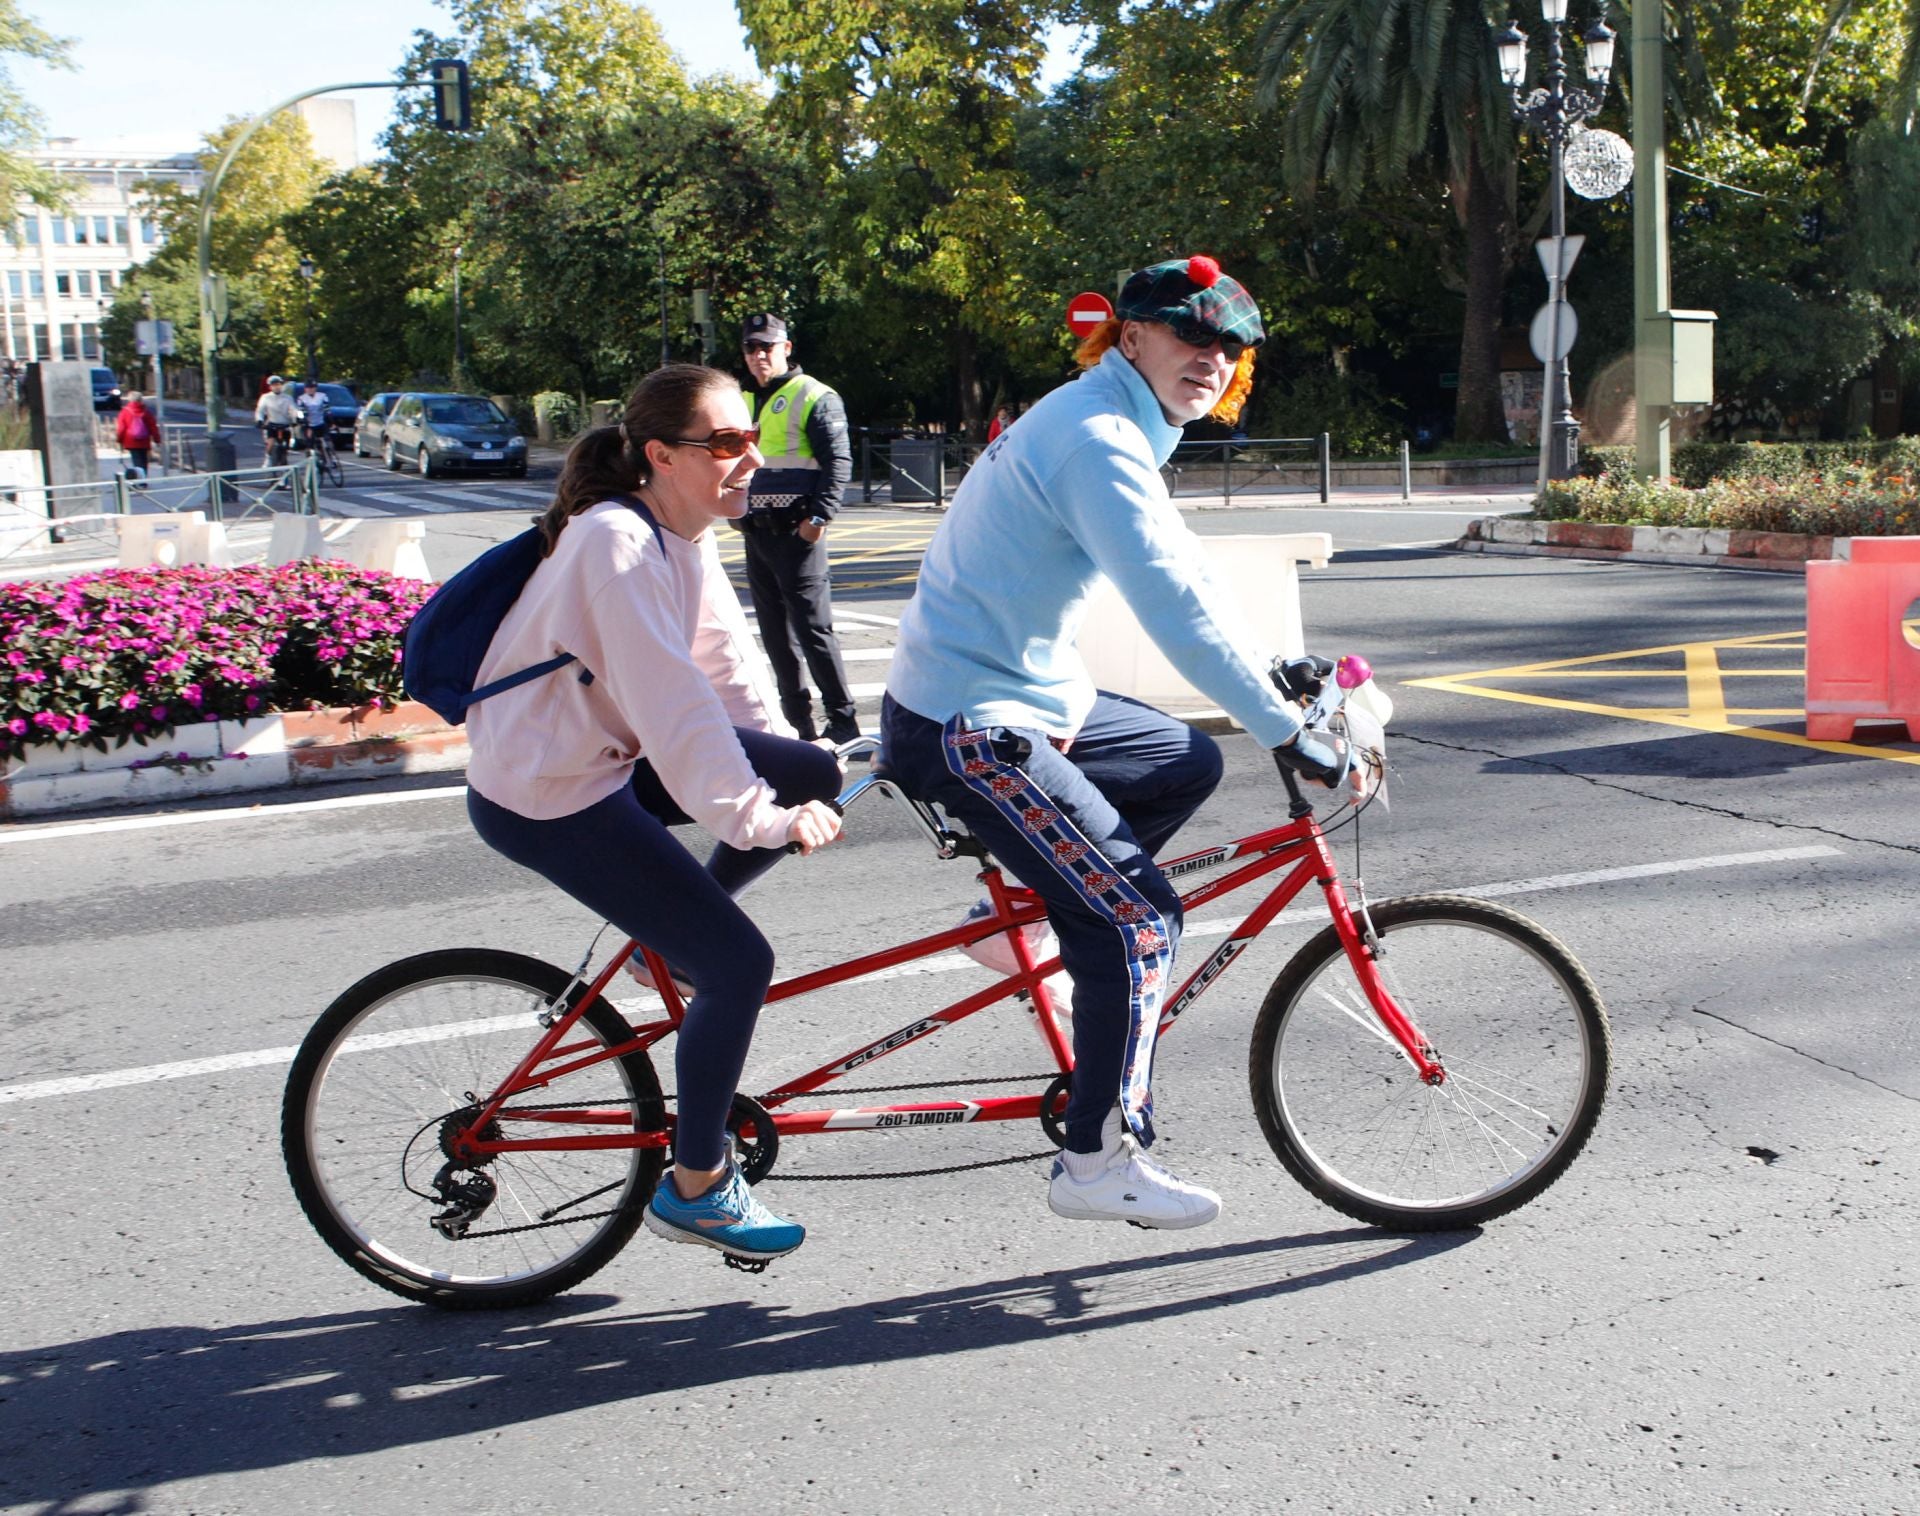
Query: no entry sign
(1087, 310)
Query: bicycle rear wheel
(330, 469)
(1513, 1018)
(389, 1071)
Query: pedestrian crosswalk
(397, 498)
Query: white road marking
(154, 1073)
(230, 813)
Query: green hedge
(1853, 504)
(1698, 464)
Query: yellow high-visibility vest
(782, 419)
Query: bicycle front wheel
(397, 1065)
(330, 469)
(1512, 1017)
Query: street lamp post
(459, 357)
(306, 275)
(1554, 111)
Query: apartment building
(59, 272)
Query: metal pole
(209, 192)
(1326, 467)
(459, 365)
(1652, 340)
(1226, 469)
(159, 380)
(866, 467)
(1406, 470)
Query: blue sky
(157, 78)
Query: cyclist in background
(312, 405)
(990, 712)
(276, 415)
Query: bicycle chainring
(1057, 1094)
(755, 1155)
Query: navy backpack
(447, 640)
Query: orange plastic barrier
(1860, 665)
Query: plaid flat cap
(1189, 292)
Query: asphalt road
(1711, 1311)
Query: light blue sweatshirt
(1069, 492)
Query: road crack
(1627, 789)
(1838, 1068)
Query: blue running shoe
(727, 1218)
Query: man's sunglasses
(760, 347)
(731, 442)
(1199, 334)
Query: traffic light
(452, 95)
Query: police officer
(803, 437)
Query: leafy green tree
(20, 123)
(909, 114)
(1379, 93)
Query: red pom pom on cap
(1203, 271)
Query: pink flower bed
(134, 653)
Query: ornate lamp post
(306, 274)
(1554, 112)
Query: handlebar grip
(832, 805)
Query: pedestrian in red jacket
(138, 432)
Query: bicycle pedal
(747, 1265)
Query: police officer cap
(764, 328)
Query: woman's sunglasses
(1198, 334)
(732, 442)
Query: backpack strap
(523, 676)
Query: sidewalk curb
(283, 750)
(1698, 547)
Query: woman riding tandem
(990, 712)
(578, 776)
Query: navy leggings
(618, 859)
(1080, 829)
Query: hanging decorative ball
(1597, 164)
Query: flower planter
(1787, 551)
(231, 757)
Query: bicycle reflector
(452, 95)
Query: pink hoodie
(674, 671)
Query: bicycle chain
(880, 1089)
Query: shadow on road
(102, 1420)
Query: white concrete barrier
(294, 539)
(391, 545)
(1261, 574)
(172, 540)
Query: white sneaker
(1128, 1186)
(996, 952)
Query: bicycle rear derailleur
(466, 1200)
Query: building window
(36, 284)
(149, 233)
(60, 231)
(79, 230)
(120, 231)
(109, 280)
(41, 347)
(30, 231)
(83, 281)
(90, 342)
(69, 345)
(62, 282)
(16, 286)
(100, 230)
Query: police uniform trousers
(787, 578)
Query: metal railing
(926, 470)
(36, 517)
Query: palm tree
(1380, 89)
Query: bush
(1855, 504)
(133, 653)
(559, 410)
(1350, 410)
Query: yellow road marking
(1699, 675)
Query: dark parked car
(370, 430)
(444, 434)
(106, 390)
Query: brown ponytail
(610, 461)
